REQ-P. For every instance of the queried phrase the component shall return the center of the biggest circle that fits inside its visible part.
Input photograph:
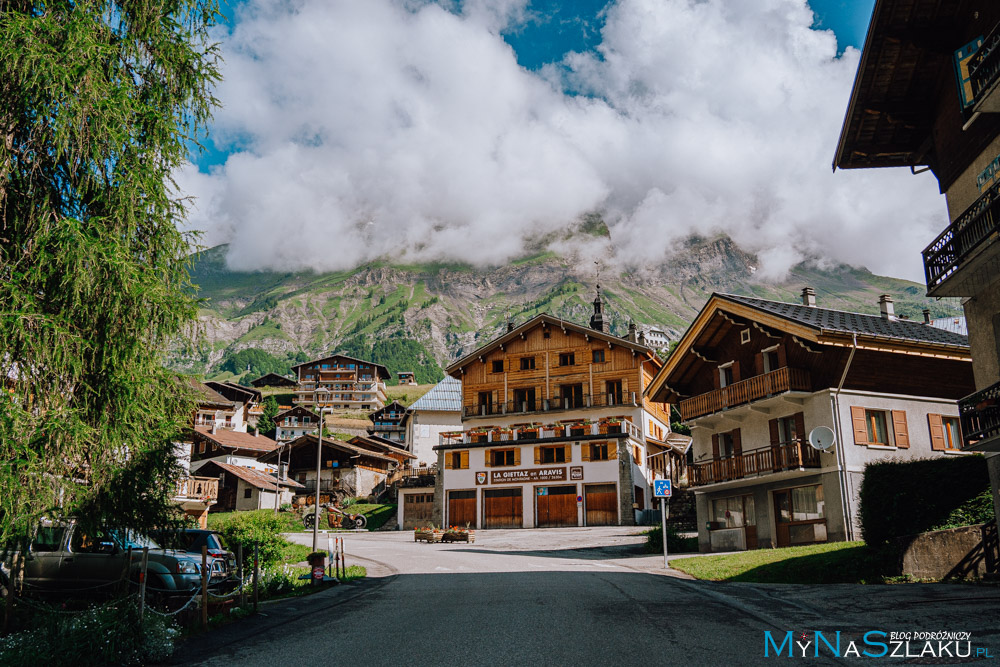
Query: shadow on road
(583, 553)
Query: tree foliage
(260, 362)
(99, 103)
(265, 423)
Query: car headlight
(187, 567)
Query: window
(734, 512)
(247, 492)
(48, 538)
(556, 454)
(770, 359)
(598, 356)
(498, 366)
(614, 391)
(546, 334)
(786, 430)
(946, 433)
(527, 363)
(599, 451)
(456, 460)
(572, 395)
(524, 399)
(305, 420)
(485, 402)
(745, 336)
(726, 375)
(878, 432)
(502, 457)
(567, 359)
(727, 447)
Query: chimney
(215, 427)
(510, 326)
(632, 332)
(256, 432)
(642, 338)
(597, 319)
(885, 305)
(809, 297)
(927, 315)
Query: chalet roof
(556, 322)
(390, 407)
(208, 397)
(229, 439)
(297, 409)
(445, 396)
(674, 441)
(309, 439)
(273, 380)
(953, 324)
(382, 371)
(253, 477)
(368, 441)
(235, 392)
(840, 321)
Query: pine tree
(265, 423)
(100, 102)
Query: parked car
(192, 540)
(63, 558)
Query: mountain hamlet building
(387, 423)
(758, 381)
(927, 96)
(556, 431)
(339, 382)
(294, 422)
(437, 411)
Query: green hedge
(908, 497)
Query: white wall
(423, 428)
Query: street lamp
(319, 470)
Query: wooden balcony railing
(980, 414)
(984, 65)
(491, 434)
(557, 402)
(418, 476)
(746, 391)
(198, 488)
(976, 225)
(786, 456)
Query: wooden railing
(746, 391)
(787, 456)
(976, 225)
(198, 488)
(980, 414)
(489, 434)
(557, 402)
(423, 476)
(984, 65)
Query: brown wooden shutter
(506, 364)
(487, 455)
(538, 455)
(517, 456)
(899, 429)
(782, 356)
(448, 460)
(715, 446)
(800, 426)
(737, 442)
(585, 451)
(613, 450)
(569, 451)
(860, 426)
(465, 460)
(772, 425)
(938, 443)
(625, 396)
(758, 363)
(736, 372)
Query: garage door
(502, 508)
(600, 502)
(462, 509)
(555, 506)
(418, 509)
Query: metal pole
(256, 569)
(663, 519)
(142, 582)
(277, 482)
(204, 587)
(319, 470)
(239, 564)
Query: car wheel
(309, 520)
(360, 521)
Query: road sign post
(662, 489)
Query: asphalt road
(571, 596)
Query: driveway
(570, 596)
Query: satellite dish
(821, 438)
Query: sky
(480, 130)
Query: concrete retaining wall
(956, 553)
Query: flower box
(428, 535)
(459, 536)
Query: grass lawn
(830, 563)
(377, 515)
(406, 393)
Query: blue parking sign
(662, 488)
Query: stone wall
(969, 552)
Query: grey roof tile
(445, 396)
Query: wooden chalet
(294, 422)
(211, 442)
(273, 380)
(241, 488)
(753, 378)
(387, 423)
(340, 382)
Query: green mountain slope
(420, 317)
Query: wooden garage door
(601, 504)
(555, 506)
(462, 509)
(502, 508)
(418, 509)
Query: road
(570, 596)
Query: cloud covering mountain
(408, 129)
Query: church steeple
(597, 319)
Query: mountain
(420, 317)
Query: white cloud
(404, 129)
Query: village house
(294, 422)
(927, 96)
(214, 409)
(339, 382)
(273, 380)
(554, 429)
(788, 402)
(407, 378)
(387, 423)
(239, 448)
(437, 411)
(242, 488)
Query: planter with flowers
(459, 534)
(428, 534)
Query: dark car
(192, 540)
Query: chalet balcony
(412, 476)
(984, 74)
(556, 403)
(200, 489)
(746, 391)
(536, 432)
(980, 415)
(966, 256)
(796, 455)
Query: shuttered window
(946, 433)
(553, 454)
(456, 460)
(502, 457)
(596, 451)
(885, 428)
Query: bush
(110, 634)
(675, 543)
(260, 526)
(909, 497)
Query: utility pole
(319, 470)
